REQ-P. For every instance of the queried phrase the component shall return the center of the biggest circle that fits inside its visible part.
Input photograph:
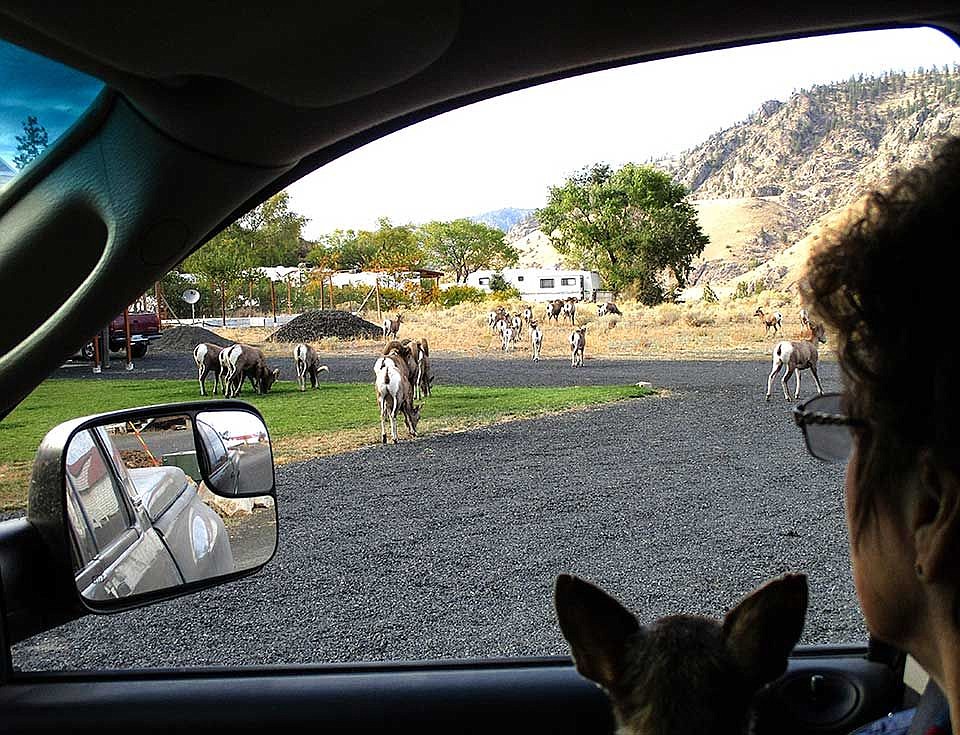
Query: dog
(684, 673)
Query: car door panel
(543, 695)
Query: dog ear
(597, 628)
(762, 630)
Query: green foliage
(501, 289)
(632, 225)
(391, 248)
(709, 295)
(32, 143)
(460, 294)
(746, 289)
(272, 232)
(391, 298)
(464, 246)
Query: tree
(272, 232)
(390, 247)
(221, 262)
(464, 246)
(633, 225)
(32, 143)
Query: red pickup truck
(144, 327)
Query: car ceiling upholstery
(298, 77)
(212, 111)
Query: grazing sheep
(536, 340)
(207, 357)
(241, 361)
(797, 356)
(608, 308)
(578, 342)
(394, 393)
(307, 362)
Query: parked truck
(144, 328)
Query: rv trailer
(543, 284)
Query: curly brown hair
(883, 285)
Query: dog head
(683, 673)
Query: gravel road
(447, 546)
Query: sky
(32, 85)
(507, 151)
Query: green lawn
(293, 417)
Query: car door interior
(160, 163)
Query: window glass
(93, 481)
(41, 99)
(82, 546)
(447, 545)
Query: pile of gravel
(314, 325)
(184, 339)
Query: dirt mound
(184, 339)
(314, 325)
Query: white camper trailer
(543, 284)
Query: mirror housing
(176, 499)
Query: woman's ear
(936, 522)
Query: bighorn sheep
(420, 376)
(207, 357)
(394, 393)
(307, 362)
(241, 361)
(608, 308)
(506, 336)
(391, 326)
(527, 314)
(578, 342)
(797, 356)
(554, 308)
(769, 322)
(570, 311)
(536, 340)
(516, 321)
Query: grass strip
(335, 418)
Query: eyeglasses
(826, 429)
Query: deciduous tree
(631, 225)
(464, 246)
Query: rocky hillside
(502, 219)
(809, 156)
(767, 187)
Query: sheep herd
(510, 327)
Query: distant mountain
(502, 219)
(764, 184)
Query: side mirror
(160, 501)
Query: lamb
(797, 356)
(241, 361)
(608, 308)
(570, 311)
(392, 326)
(394, 393)
(307, 362)
(769, 322)
(207, 357)
(536, 340)
(578, 342)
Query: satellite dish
(191, 296)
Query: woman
(886, 287)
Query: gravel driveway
(447, 546)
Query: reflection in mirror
(237, 452)
(142, 519)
